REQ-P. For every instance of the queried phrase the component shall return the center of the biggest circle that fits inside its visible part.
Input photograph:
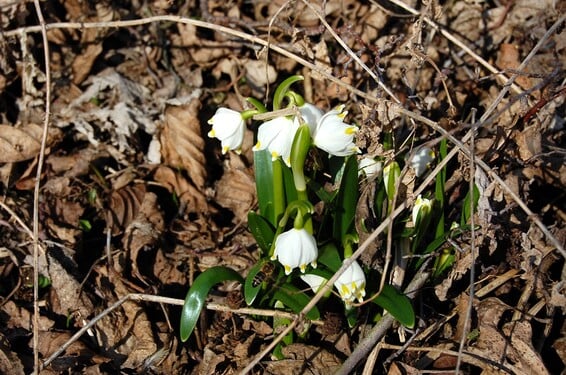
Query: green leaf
(466, 212)
(328, 255)
(196, 296)
(347, 200)
(263, 168)
(397, 304)
(295, 299)
(262, 230)
(251, 291)
(439, 191)
(288, 183)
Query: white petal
(277, 135)
(314, 281)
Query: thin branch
(37, 186)
(163, 300)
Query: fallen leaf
(22, 142)
(182, 145)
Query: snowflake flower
(295, 248)
(229, 127)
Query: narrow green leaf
(293, 298)
(439, 191)
(347, 200)
(196, 296)
(397, 304)
(262, 230)
(263, 168)
(466, 212)
(251, 291)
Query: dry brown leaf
(508, 59)
(123, 207)
(18, 317)
(523, 351)
(127, 330)
(21, 143)
(182, 144)
(190, 197)
(144, 230)
(259, 73)
(66, 292)
(236, 189)
(9, 361)
(83, 63)
(316, 359)
(513, 342)
(168, 271)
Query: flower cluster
(288, 138)
(329, 132)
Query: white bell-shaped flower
(421, 209)
(421, 160)
(229, 127)
(369, 167)
(277, 135)
(295, 248)
(352, 284)
(333, 135)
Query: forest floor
(134, 200)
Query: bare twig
(163, 300)
(37, 186)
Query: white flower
(421, 160)
(369, 167)
(295, 248)
(351, 284)
(311, 115)
(277, 135)
(333, 135)
(228, 126)
(314, 281)
(421, 208)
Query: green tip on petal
(212, 134)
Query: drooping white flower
(421, 208)
(369, 167)
(311, 114)
(229, 127)
(421, 160)
(351, 284)
(277, 135)
(333, 135)
(314, 281)
(295, 248)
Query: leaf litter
(136, 199)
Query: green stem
(282, 89)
